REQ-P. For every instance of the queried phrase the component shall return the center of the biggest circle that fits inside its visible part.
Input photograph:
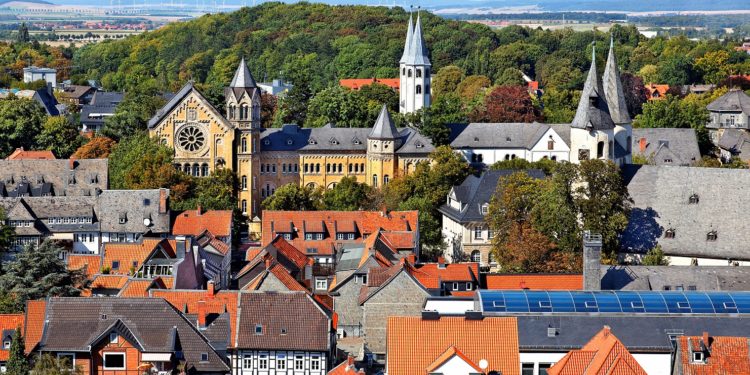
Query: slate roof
(660, 145)
(384, 127)
(593, 112)
(476, 191)
(413, 343)
(407, 43)
(134, 206)
(177, 99)
(613, 91)
(76, 91)
(603, 354)
(289, 321)
(497, 135)
(535, 281)
(661, 201)
(152, 324)
(709, 278)
(736, 141)
(242, 82)
(54, 177)
(733, 101)
(417, 52)
(107, 98)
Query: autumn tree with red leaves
(506, 104)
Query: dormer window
(312, 141)
(6, 344)
(113, 337)
(418, 145)
(123, 218)
(333, 141)
(258, 329)
(711, 236)
(485, 209)
(694, 199)
(698, 357)
(507, 139)
(356, 141)
(669, 233)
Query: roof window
(694, 199)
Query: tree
(23, 34)
(336, 105)
(17, 363)
(471, 87)
(676, 71)
(38, 272)
(347, 195)
(268, 104)
(214, 192)
(98, 147)
(555, 214)
(713, 66)
(673, 112)
(20, 121)
(559, 105)
(292, 197)
(49, 365)
(446, 80)
(507, 104)
(7, 234)
(655, 257)
(59, 135)
(649, 73)
(635, 93)
(133, 113)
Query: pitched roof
(242, 77)
(358, 83)
(87, 175)
(127, 210)
(603, 354)
(8, 325)
(217, 303)
(136, 288)
(593, 112)
(497, 135)
(535, 281)
(708, 278)
(21, 154)
(666, 146)
(90, 264)
(407, 44)
(736, 141)
(613, 91)
(195, 222)
(278, 272)
(346, 368)
(414, 343)
(723, 355)
(417, 52)
(451, 271)
(288, 320)
(733, 101)
(447, 355)
(657, 91)
(108, 281)
(133, 254)
(36, 312)
(384, 127)
(152, 324)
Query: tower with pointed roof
(382, 143)
(618, 108)
(592, 129)
(243, 111)
(415, 70)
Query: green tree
(347, 195)
(17, 363)
(215, 192)
(447, 80)
(555, 213)
(38, 272)
(339, 106)
(49, 365)
(677, 71)
(132, 115)
(292, 197)
(655, 257)
(20, 121)
(7, 234)
(559, 105)
(713, 66)
(59, 135)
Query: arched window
(554, 157)
(244, 112)
(186, 168)
(419, 73)
(317, 168)
(341, 168)
(408, 73)
(492, 258)
(244, 206)
(306, 168)
(204, 170)
(507, 157)
(600, 149)
(403, 71)
(513, 156)
(273, 168)
(362, 168)
(476, 256)
(374, 180)
(350, 168)
(262, 168)
(244, 183)
(196, 170)
(386, 179)
(243, 145)
(232, 112)
(328, 168)
(356, 168)
(419, 89)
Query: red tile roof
(281, 274)
(21, 154)
(603, 354)
(657, 91)
(414, 344)
(132, 255)
(447, 355)
(346, 368)
(728, 355)
(9, 322)
(367, 223)
(535, 281)
(217, 303)
(109, 281)
(290, 252)
(89, 264)
(36, 312)
(358, 83)
(193, 223)
(451, 271)
(136, 288)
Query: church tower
(243, 111)
(618, 109)
(592, 129)
(382, 143)
(414, 92)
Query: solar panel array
(613, 302)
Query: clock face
(191, 138)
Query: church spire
(613, 90)
(417, 50)
(242, 77)
(592, 112)
(407, 44)
(384, 127)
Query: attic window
(258, 329)
(103, 317)
(115, 264)
(283, 331)
(476, 139)
(669, 233)
(418, 145)
(204, 357)
(485, 209)
(711, 236)
(694, 199)
(356, 141)
(123, 218)
(6, 345)
(507, 139)
(146, 202)
(113, 337)
(312, 142)
(333, 141)
(698, 357)
(552, 332)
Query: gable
(403, 285)
(176, 113)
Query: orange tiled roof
(109, 281)
(535, 281)
(9, 322)
(281, 274)
(452, 271)
(346, 368)
(132, 255)
(365, 222)
(358, 83)
(136, 288)
(167, 281)
(413, 344)
(657, 91)
(36, 312)
(252, 253)
(447, 355)
(729, 355)
(290, 252)
(217, 303)
(400, 240)
(21, 154)
(603, 354)
(90, 264)
(193, 223)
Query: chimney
(411, 258)
(592, 254)
(705, 340)
(201, 314)
(72, 164)
(210, 288)
(199, 210)
(642, 144)
(268, 262)
(163, 197)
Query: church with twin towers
(205, 139)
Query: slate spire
(613, 90)
(242, 77)
(592, 112)
(384, 127)
(417, 50)
(407, 44)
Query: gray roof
(660, 145)
(242, 77)
(477, 191)
(407, 43)
(497, 135)
(708, 278)
(733, 101)
(150, 324)
(736, 141)
(613, 91)
(29, 176)
(384, 127)
(134, 206)
(593, 112)
(88, 110)
(107, 98)
(417, 52)
(661, 201)
(638, 334)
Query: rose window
(191, 138)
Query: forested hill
(331, 41)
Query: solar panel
(608, 302)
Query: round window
(191, 138)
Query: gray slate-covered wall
(346, 305)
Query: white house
(33, 73)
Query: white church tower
(592, 131)
(618, 109)
(414, 92)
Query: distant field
(67, 32)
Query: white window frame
(315, 363)
(478, 232)
(262, 362)
(281, 362)
(299, 362)
(247, 361)
(469, 286)
(321, 284)
(124, 361)
(6, 345)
